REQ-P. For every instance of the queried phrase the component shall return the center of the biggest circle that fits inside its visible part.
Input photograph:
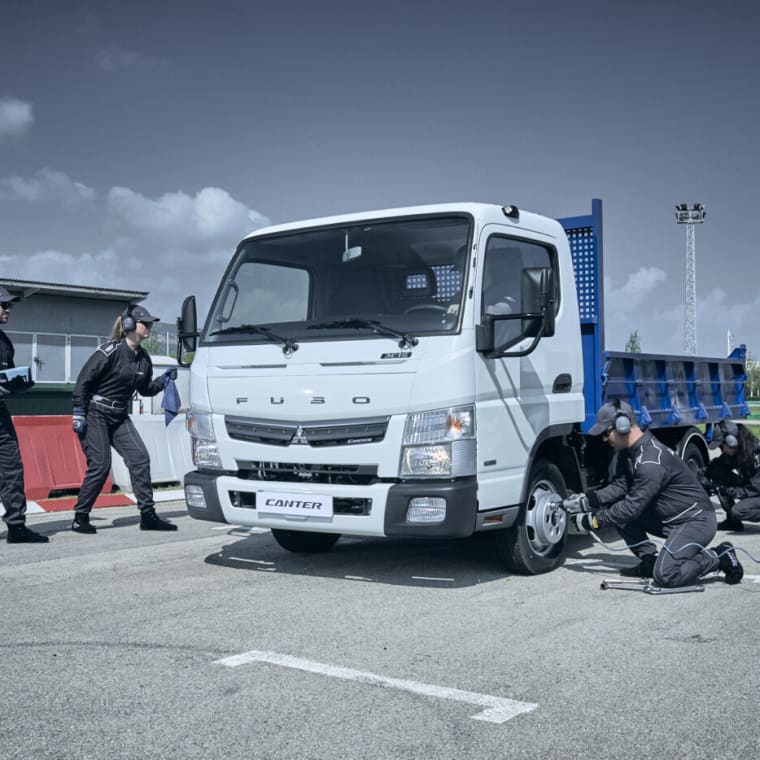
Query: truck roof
(485, 212)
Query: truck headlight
(439, 444)
(200, 425)
(440, 425)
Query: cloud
(115, 58)
(46, 185)
(101, 269)
(637, 288)
(180, 221)
(171, 246)
(16, 117)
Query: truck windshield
(400, 278)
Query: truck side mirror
(484, 336)
(537, 318)
(187, 330)
(537, 294)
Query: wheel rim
(545, 520)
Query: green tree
(753, 377)
(633, 346)
(158, 342)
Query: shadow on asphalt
(450, 563)
(101, 522)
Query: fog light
(194, 497)
(426, 509)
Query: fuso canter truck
(423, 372)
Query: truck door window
(505, 260)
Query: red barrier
(53, 459)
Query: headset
(623, 420)
(729, 439)
(128, 322)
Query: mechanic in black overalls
(11, 467)
(736, 474)
(655, 492)
(102, 399)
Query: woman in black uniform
(102, 397)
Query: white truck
(422, 372)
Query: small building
(55, 328)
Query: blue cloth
(170, 403)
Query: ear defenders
(729, 439)
(127, 320)
(622, 421)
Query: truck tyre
(694, 458)
(304, 542)
(536, 543)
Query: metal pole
(690, 297)
(690, 215)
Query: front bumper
(390, 503)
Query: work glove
(584, 521)
(4, 392)
(576, 503)
(170, 374)
(78, 421)
(735, 492)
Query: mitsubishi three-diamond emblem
(299, 437)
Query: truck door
(513, 393)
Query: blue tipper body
(663, 390)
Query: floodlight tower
(690, 216)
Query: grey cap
(721, 431)
(6, 296)
(605, 417)
(141, 314)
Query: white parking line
(499, 709)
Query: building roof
(28, 288)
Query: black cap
(6, 296)
(141, 314)
(605, 417)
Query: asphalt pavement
(215, 642)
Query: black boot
(149, 520)
(20, 534)
(729, 563)
(81, 524)
(730, 523)
(645, 568)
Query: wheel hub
(545, 520)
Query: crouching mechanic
(655, 492)
(736, 474)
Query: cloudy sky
(139, 141)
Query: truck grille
(288, 472)
(335, 433)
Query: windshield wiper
(289, 346)
(405, 340)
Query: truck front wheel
(536, 544)
(304, 542)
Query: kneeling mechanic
(654, 492)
